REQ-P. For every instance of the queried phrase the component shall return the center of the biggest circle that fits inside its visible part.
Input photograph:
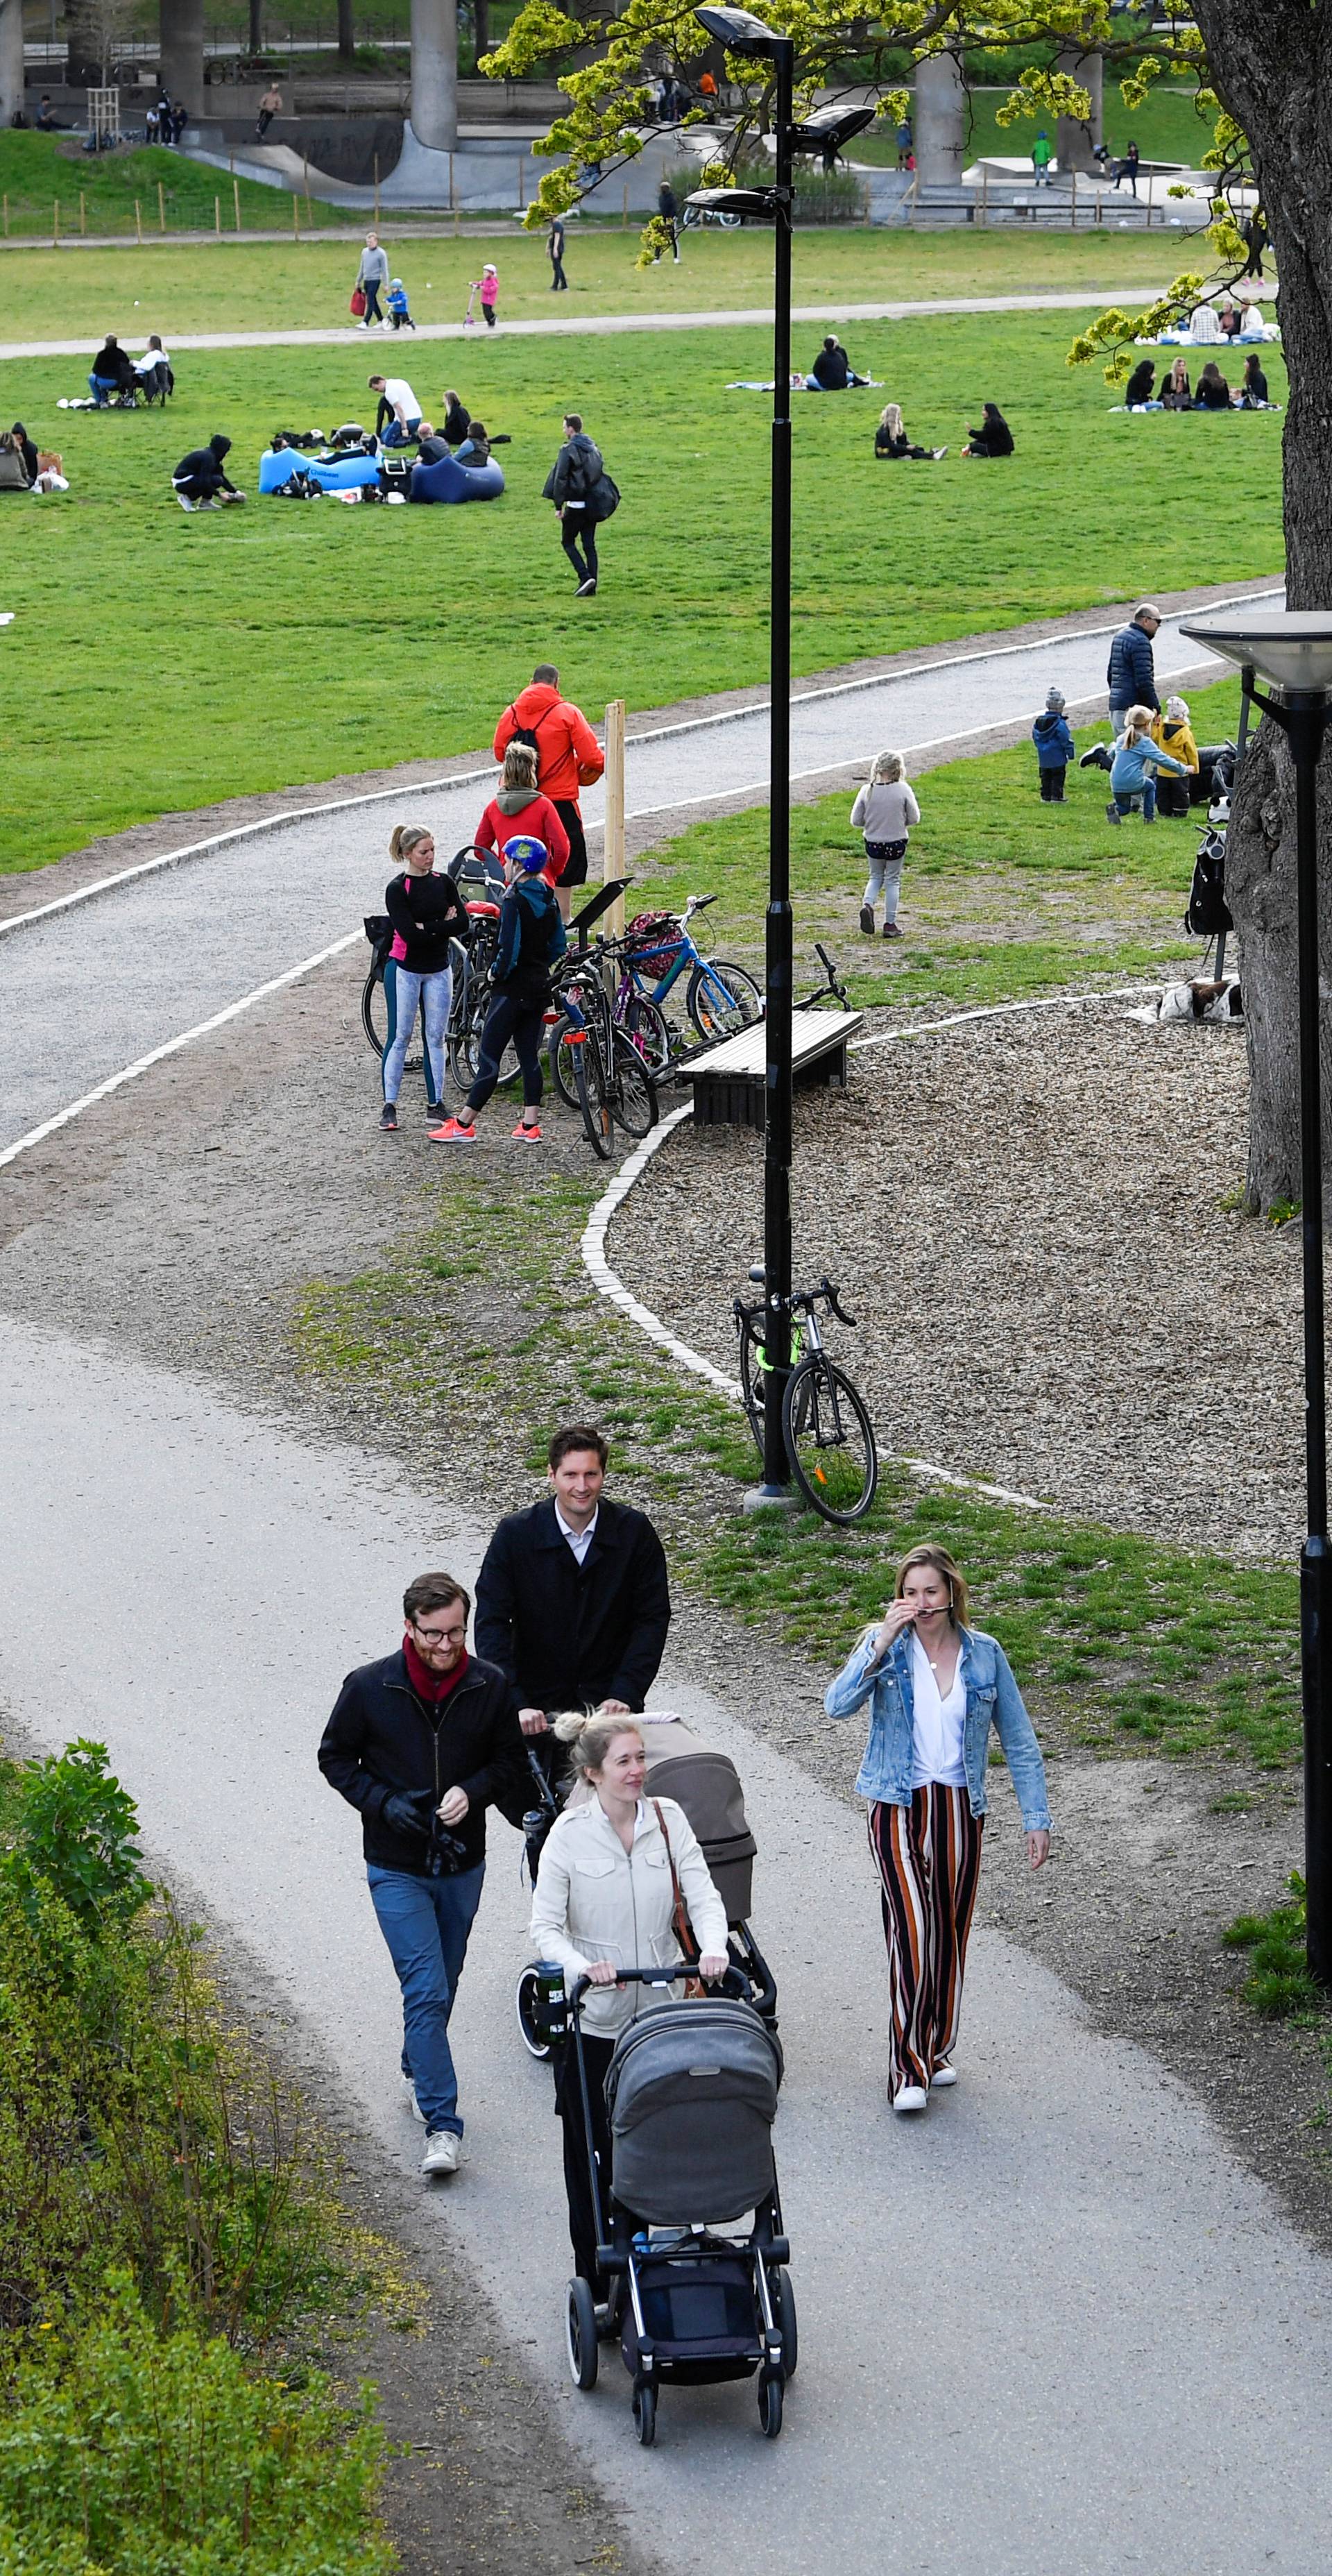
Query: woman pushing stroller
(614, 1873)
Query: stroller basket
(692, 2096)
(699, 2314)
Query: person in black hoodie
(27, 451)
(531, 938)
(422, 1743)
(1139, 386)
(110, 373)
(199, 478)
(993, 438)
(573, 484)
(572, 1600)
(427, 913)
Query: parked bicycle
(594, 1066)
(826, 1428)
(655, 955)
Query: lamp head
(760, 204)
(1290, 648)
(830, 126)
(740, 31)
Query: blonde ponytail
(590, 1733)
(405, 838)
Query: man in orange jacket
(568, 757)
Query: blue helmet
(525, 851)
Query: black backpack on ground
(1208, 913)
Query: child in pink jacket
(489, 293)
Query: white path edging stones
(609, 1284)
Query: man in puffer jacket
(1054, 747)
(1131, 670)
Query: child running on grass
(884, 811)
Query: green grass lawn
(1002, 897)
(158, 661)
(97, 191)
(1167, 127)
(243, 285)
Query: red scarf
(433, 1688)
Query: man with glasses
(423, 1742)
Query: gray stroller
(692, 2095)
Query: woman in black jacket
(993, 438)
(427, 913)
(891, 440)
(1253, 392)
(1139, 386)
(1213, 392)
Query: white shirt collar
(579, 1540)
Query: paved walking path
(831, 309)
(1052, 2327)
(90, 990)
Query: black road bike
(826, 1428)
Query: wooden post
(83, 213)
(520, 185)
(138, 220)
(6, 217)
(452, 199)
(1149, 205)
(161, 208)
(305, 165)
(376, 192)
(235, 190)
(217, 216)
(296, 217)
(915, 191)
(612, 840)
(624, 211)
(985, 195)
(55, 219)
(1074, 224)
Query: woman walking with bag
(935, 1688)
(620, 1877)
(427, 913)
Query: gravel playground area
(1032, 1219)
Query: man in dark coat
(572, 1600)
(1131, 670)
(422, 1743)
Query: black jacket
(1139, 386)
(570, 1635)
(456, 420)
(831, 370)
(381, 1737)
(1131, 671)
(112, 364)
(204, 465)
(576, 472)
(426, 919)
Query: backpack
(604, 498)
(528, 733)
(1208, 913)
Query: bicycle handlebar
(802, 1298)
(826, 1289)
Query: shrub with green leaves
(73, 1831)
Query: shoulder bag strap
(680, 1923)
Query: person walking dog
(605, 1899)
(423, 1742)
(572, 1600)
(935, 1687)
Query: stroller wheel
(645, 2415)
(525, 2005)
(580, 2333)
(786, 2318)
(770, 2406)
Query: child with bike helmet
(531, 939)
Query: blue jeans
(425, 1922)
(102, 389)
(1124, 799)
(394, 433)
(405, 993)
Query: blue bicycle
(719, 999)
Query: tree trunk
(11, 61)
(1075, 136)
(346, 31)
(1270, 61)
(83, 51)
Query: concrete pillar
(181, 29)
(940, 122)
(11, 60)
(434, 109)
(1074, 136)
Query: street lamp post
(742, 33)
(1293, 652)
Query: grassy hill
(37, 169)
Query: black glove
(409, 1811)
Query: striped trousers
(928, 1859)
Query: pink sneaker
(451, 1133)
(527, 1135)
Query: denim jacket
(993, 1699)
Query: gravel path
(1027, 1214)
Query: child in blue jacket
(1137, 759)
(399, 315)
(1054, 747)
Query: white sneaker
(442, 2148)
(910, 2097)
(409, 2097)
(185, 502)
(943, 2076)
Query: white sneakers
(943, 2076)
(441, 2152)
(910, 2097)
(409, 2097)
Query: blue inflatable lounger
(450, 481)
(333, 474)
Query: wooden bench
(729, 1078)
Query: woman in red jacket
(517, 806)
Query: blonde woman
(427, 913)
(884, 811)
(604, 1899)
(935, 1687)
(1135, 765)
(890, 438)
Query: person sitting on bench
(111, 372)
(832, 371)
(199, 479)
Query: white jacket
(594, 1900)
(885, 811)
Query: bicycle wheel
(645, 1026)
(374, 1010)
(829, 1440)
(560, 1056)
(753, 1379)
(633, 1097)
(593, 1098)
(722, 999)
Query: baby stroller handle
(733, 1982)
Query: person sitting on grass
(1174, 732)
(199, 482)
(431, 446)
(890, 438)
(457, 418)
(1253, 391)
(1138, 390)
(1176, 394)
(993, 438)
(1136, 762)
(111, 372)
(832, 370)
(531, 939)
(14, 475)
(1213, 392)
(28, 451)
(475, 449)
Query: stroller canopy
(692, 2096)
(707, 1786)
